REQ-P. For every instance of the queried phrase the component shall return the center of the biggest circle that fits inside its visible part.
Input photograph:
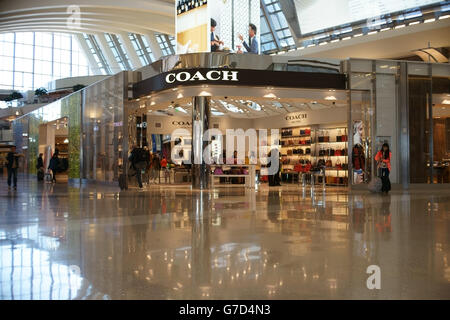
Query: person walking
(40, 167)
(139, 161)
(54, 165)
(383, 158)
(154, 170)
(12, 165)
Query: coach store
(307, 102)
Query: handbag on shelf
(321, 137)
(308, 132)
(339, 136)
(308, 151)
(326, 137)
(338, 164)
(290, 142)
(344, 152)
(338, 153)
(344, 166)
(321, 152)
(282, 143)
(300, 151)
(328, 163)
(302, 132)
(289, 152)
(344, 137)
(332, 152)
(218, 171)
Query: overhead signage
(296, 117)
(239, 77)
(212, 75)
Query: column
(154, 45)
(201, 114)
(131, 52)
(93, 65)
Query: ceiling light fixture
(270, 95)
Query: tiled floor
(61, 242)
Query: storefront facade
(322, 109)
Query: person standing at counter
(383, 158)
(252, 46)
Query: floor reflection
(174, 243)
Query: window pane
(6, 49)
(24, 51)
(24, 37)
(6, 79)
(6, 63)
(23, 65)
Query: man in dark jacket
(139, 161)
(40, 167)
(12, 165)
(54, 165)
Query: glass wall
(30, 60)
(26, 131)
(95, 129)
(103, 129)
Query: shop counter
(249, 175)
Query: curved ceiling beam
(87, 24)
(113, 16)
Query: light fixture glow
(270, 95)
(400, 26)
(413, 23)
(446, 101)
(430, 20)
(444, 17)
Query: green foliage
(40, 92)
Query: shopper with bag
(383, 158)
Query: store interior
(312, 124)
(54, 136)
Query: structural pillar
(201, 115)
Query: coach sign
(238, 77)
(212, 75)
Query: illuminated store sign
(297, 116)
(213, 75)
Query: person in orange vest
(383, 158)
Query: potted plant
(15, 95)
(40, 92)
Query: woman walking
(383, 158)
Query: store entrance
(441, 138)
(54, 143)
(313, 134)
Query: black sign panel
(239, 77)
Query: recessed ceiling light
(430, 20)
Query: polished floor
(168, 242)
